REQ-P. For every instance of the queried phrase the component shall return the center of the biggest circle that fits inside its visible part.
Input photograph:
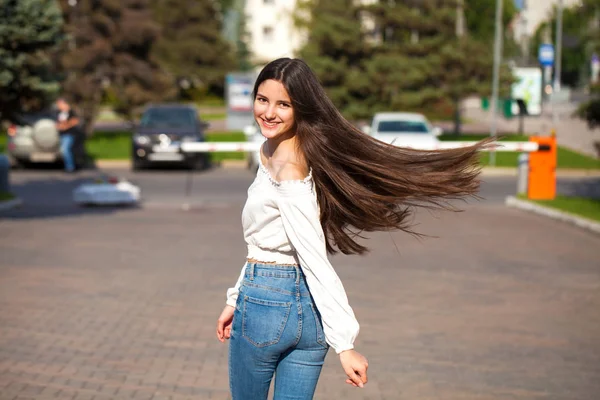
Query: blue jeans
(276, 330)
(66, 149)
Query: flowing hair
(363, 184)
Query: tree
(335, 47)
(590, 110)
(29, 31)
(422, 63)
(574, 55)
(110, 51)
(387, 55)
(191, 46)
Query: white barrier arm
(202, 147)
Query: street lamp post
(496, 73)
(559, 30)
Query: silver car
(35, 139)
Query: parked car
(161, 130)
(33, 138)
(403, 129)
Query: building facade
(533, 13)
(271, 28)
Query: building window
(268, 33)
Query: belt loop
(251, 271)
(298, 272)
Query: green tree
(423, 64)
(576, 21)
(29, 31)
(480, 16)
(335, 48)
(110, 51)
(590, 110)
(191, 45)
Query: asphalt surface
(120, 303)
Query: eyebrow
(280, 101)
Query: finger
(362, 373)
(348, 381)
(355, 378)
(227, 332)
(363, 376)
(220, 330)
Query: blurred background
(112, 275)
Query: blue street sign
(520, 4)
(546, 55)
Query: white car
(404, 130)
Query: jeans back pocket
(319, 325)
(263, 321)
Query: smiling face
(273, 110)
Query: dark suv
(162, 129)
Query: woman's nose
(270, 112)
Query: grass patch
(581, 206)
(566, 158)
(5, 196)
(226, 137)
(213, 116)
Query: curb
(580, 222)
(10, 204)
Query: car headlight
(141, 139)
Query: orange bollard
(542, 169)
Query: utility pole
(559, 31)
(496, 74)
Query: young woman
(320, 183)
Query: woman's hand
(224, 324)
(355, 365)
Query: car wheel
(45, 134)
(200, 163)
(137, 164)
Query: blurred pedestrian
(67, 125)
(320, 182)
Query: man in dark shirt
(66, 124)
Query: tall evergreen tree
(111, 50)
(335, 47)
(590, 110)
(29, 31)
(191, 45)
(421, 63)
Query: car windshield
(402, 126)
(168, 117)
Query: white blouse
(281, 224)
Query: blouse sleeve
(233, 292)
(300, 215)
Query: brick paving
(122, 305)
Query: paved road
(106, 303)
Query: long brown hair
(363, 184)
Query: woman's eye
(261, 100)
(285, 105)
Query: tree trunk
(457, 117)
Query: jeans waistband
(254, 269)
